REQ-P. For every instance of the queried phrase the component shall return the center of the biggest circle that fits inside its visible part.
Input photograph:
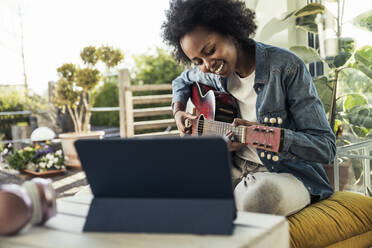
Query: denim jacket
(284, 89)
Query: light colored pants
(270, 193)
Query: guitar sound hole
(200, 125)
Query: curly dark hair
(227, 17)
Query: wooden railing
(128, 125)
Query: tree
(76, 85)
(110, 56)
(158, 68)
(107, 96)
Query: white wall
(271, 30)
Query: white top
(242, 90)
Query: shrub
(12, 99)
(107, 96)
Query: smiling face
(210, 51)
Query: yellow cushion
(343, 219)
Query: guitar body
(213, 105)
(216, 111)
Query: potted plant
(346, 90)
(73, 93)
(37, 159)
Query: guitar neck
(264, 137)
(221, 128)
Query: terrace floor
(66, 184)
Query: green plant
(107, 96)
(346, 92)
(111, 57)
(37, 158)
(18, 159)
(157, 68)
(76, 85)
(13, 99)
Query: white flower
(5, 151)
(42, 164)
(31, 166)
(59, 152)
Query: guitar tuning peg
(266, 120)
(268, 156)
(275, 158)
(272, 120)
(280, 121)
(262, 154)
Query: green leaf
(89, 55)
(364, 21)
(363, 58)
(364, 69)
(307, 23)
(287, 15)
(351, 81)
(110, 56)
(364, 55)
(324, 91)
(347, 44)
(338, 126)
(87, 78)
(354, 100)
(361, 132)
(341, 59)
(360, 116)
(308, 54)
(310, 9)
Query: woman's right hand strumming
(181, 118)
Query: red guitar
(216, 110)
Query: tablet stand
(196, 216)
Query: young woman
(267, 82)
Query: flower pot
(343, 173)
(67, 141)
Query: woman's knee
(261, 196)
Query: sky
(55, 32)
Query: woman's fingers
(232, 145)
(241, 122)
(229, 135)
(182, 121)
(190, 116)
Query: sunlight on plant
(76, 85)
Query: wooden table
(65, 230)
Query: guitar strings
(216, 127)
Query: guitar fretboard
(207, 127)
